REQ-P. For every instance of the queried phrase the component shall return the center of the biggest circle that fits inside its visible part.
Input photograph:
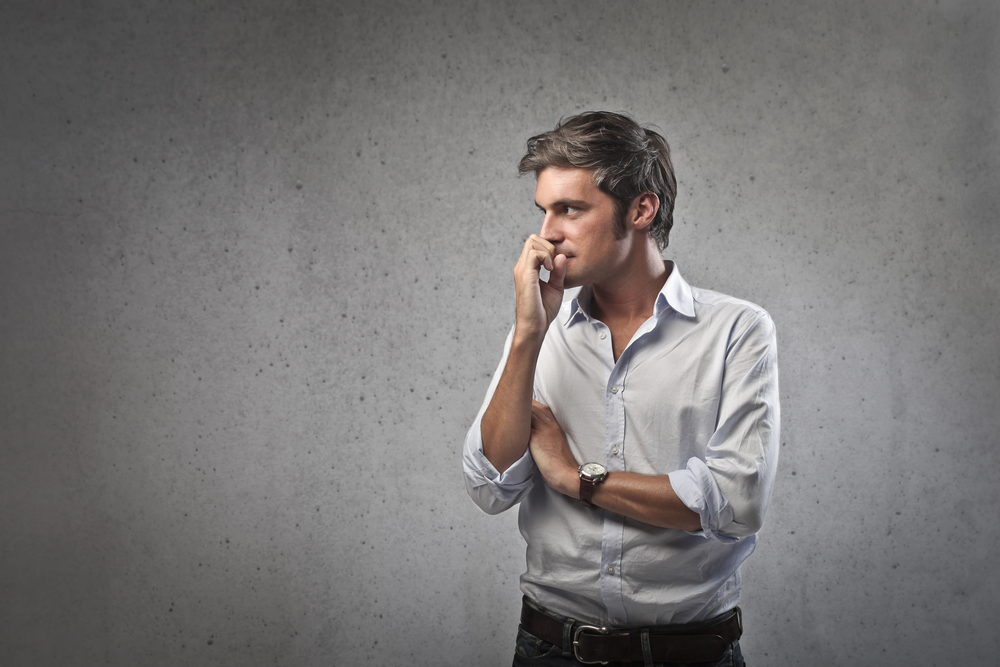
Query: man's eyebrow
(572, 203)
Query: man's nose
(550, 229)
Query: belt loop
(647, 653)
(567, 642)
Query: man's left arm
(648, 498)
(726, 493)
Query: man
(644, 464)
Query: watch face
(593, 469)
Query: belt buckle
(576, 643)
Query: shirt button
(611, 569)
(614, 450)
(614, 390)
(615, 621)
(603, 335)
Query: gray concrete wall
(255, 275)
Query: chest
(649, 411)
(621, 335)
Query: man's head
(624, 159)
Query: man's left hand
(551, 452)
(647, 498)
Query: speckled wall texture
(255, 276)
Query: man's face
(580, 222)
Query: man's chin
(572, 278)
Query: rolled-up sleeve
(730, 489)
(493, 491)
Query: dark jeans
(531, 650)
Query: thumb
(557, 276)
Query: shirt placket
(614, 524)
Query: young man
(636, 424)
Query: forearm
(506, 424)
(647, 498)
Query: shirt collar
(675, 294)
(579, 307)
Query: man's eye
(570, 210)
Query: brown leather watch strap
(588, 480)
(586, 491)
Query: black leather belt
(697, 642)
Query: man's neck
(633, 298)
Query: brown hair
(624, 159)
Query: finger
(541, 413)
(537, 418)
(557, 274)
(533, 258)
(541, 250)
(538, 241)
(544, 259)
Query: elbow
(748, 495)
(485, 500)
(747, 521)
(493, 508)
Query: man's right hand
(537, 302)
(506, 425)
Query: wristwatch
(591, 474)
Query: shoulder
(738, 315)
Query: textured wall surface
(255, 275)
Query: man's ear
(643, 210)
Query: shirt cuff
(697, 489)
(479, 471)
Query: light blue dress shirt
(693, 396)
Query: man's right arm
(506, 424)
